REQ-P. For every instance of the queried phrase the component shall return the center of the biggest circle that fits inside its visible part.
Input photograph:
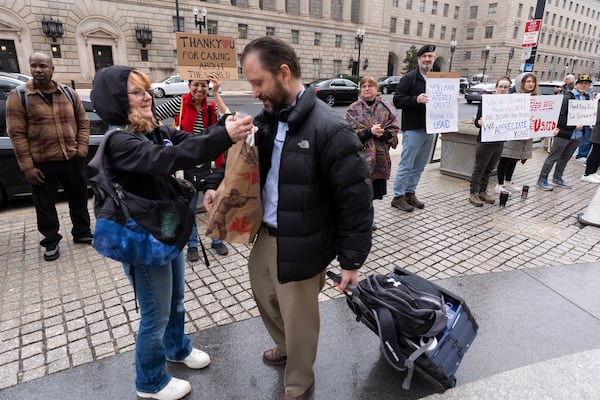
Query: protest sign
(441, 112)
(544, 115)
(505, 117)
(582, 112)
(201, 55)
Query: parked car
(550, 88)
(12, 181)
(464, 83)
(174, 86)
(475, 92)
(596, 89)
(336, 91)
(388, 85)
(16, 75)
(6, 85)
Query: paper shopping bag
(236, 213)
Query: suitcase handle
(337, 279)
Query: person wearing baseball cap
(585, 146)
(567, 137)
(411, 98)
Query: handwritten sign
(505, 117)
(582, 112)
(441, 112)
(201, 55)
(544, 115)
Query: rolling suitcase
(437, 355)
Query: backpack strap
(97, 162)
(22, 93)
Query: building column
(253, 4)
(280, 6)
(346, 10)
(326, 14)
(304, 8)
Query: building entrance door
(8, 56)
(102, 56)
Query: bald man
(49, 131)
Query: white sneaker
(592, 178)
(511, 187)
(499, 188)
(175, 389)
(581, 159)
(195, 360)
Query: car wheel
(330, 100)
(469, 101)
(159, 93)
(385, 90)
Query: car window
(337, 83)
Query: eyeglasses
(503, 87)
(140, 94)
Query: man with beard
(411, 98)
(316, 199)
(49, 131)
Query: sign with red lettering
(532, 31)
(201, 55)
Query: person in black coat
(317, 204)
(140, 156)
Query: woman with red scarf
(193, 113)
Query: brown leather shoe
(274, 357)
(411, 199)
(303, 396)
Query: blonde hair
(367, 79)
(137, 123)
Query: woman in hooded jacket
(139, 156)
(515, 150)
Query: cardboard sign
(582, 112)
(505, 117)
(441, 112)
(544, 115)
(201, 55)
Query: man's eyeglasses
(503, 87)
(140, 94)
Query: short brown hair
(367, 79)
(272, 53)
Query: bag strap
(97, 162)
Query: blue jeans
(159, 292)
(416, 150)
(585, 146)
(193, 240)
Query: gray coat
(518, 149)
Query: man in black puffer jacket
(316, 197)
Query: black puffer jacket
(325, 195)
(409, 88)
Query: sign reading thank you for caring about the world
(201, 55)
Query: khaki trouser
(290, 313)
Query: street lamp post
(487, 54)
(453, 44)
(511, 53)
(573, 65)
(360, 36)
(199, 23)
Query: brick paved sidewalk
(57, 315)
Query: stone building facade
(96, 33)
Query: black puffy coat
(325, 196)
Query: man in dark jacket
(316, 197)
(411, 98)
(567, 138)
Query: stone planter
(458, 151)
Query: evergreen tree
(410, 59)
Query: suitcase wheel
(450, 382)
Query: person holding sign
(193, 114)
(411, 98)
(567, 137)
(374, 121)
(487, 155)
(515, 150)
